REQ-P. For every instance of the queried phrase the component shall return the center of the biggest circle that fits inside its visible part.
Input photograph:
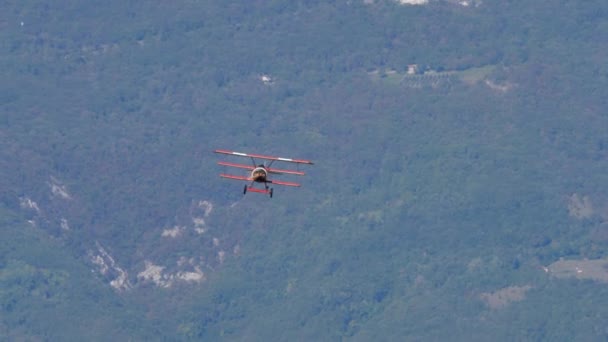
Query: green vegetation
(45, 294)
(435, 207)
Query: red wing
(299, 161)
(289, 172)
(283, 183)
(240, 166)
(235, 177)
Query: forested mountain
(459, 190)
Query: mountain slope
(459, 156)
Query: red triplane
(260, 172)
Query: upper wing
(283, 183)
(299, 161)
(235, 177)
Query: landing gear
(245, 190)
(268, 190)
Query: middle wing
(289, 172)
(240, 166)
(271, 170)
(235, 177)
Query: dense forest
(459, 190)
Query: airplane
(260, 173)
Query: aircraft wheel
(245, 190)
(270, 192)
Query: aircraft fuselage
(259, 174)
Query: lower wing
(249, 180)
(283, 183)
